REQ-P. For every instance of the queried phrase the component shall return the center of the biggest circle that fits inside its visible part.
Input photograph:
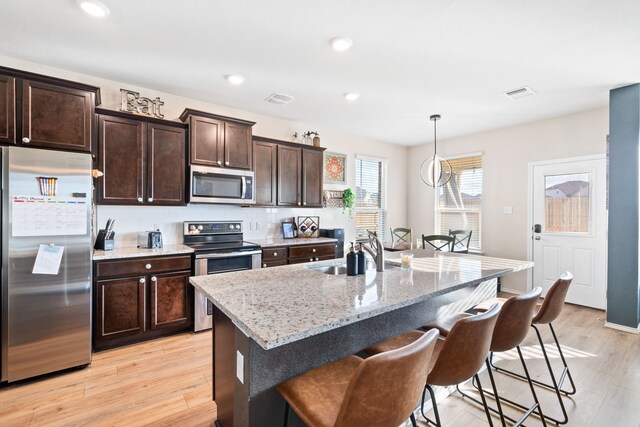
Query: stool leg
(286, 414)
(433, 403)
(413, 420)
(495, 393)
(484, 401)
(533, 392)
(566, 370)
(553, 378)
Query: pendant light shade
(435, 171)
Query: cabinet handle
(26, 140)
(148, 266)
(219, 162)
(142, 280)
(310, 259)
(316, 259)
(305, 203)
(140, 199)
(275, 254)
(313, 250)
(226, 163)
(154, 278)
(264, 265)
(150, 199)
(298, 203)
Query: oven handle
(244, 187)
(228, 254)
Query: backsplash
(259, 223)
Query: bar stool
(510, 330)
(378, 391)
(548, 311)
(457, 358)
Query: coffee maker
(335, 233)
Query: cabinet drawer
(312, 251)
(274, 263)
(133, 266)
(274, 254)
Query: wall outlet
(258, 227)
(240, 366)
(508, 210)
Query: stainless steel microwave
(221, 185)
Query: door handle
(537, 238)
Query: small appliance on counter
(335, 233)
(150, 239)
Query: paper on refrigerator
(48, 259)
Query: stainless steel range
(219, 248)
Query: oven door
(219, 185)
(214, 263)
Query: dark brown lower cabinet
(141, 298)
(297, 254)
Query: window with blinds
(459, 204)
(370, 205)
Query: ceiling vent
(520, 93)
(279, 98)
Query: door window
(566, 203)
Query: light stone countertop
(276, 242)
(278, 305)
(119, 253)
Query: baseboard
(622, 328)
(510, 291)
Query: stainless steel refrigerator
(46, 261)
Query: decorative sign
(132, 102)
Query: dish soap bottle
(361, 260)
(352, 262)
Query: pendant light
(435, 171)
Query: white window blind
(459, 204)
(370, 206)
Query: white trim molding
(622, 328)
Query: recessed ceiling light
(235, 79)
(351, 96)
(93, 8)
(341, 43)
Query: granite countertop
(140, 252)
(276, 306)
(276, 242)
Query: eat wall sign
(132, 102)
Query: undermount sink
(336, 270)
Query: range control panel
(212, 227)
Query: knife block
(102, 243)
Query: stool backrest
(401, 235)
(514, 320)
(464, 349)
(554, 300)
(439, 242)
(386, 387)
(461, 240)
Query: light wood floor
(168, 382)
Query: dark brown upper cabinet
(265, 167)
(143, 160)
(218, 140)
(287, 174)
(7, 109)
(44, 112)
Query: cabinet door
(206, 141)
(7, 109)
(166, 146)
(312, 178)
(237, 146)
(56, 117)
(289, 175)
(265, 167)
(121, 308)
(170, 302)
(120, 158)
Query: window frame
(382, 232)
(436, 201)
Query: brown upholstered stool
(549, 311)
(457, 358)
(382, 390)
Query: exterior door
(569, 227)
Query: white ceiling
(410, 58)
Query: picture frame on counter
(335, 168)
(288, 230)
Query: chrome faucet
(376, 250)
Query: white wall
(506, 154)
(130, 220)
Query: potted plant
(348, 199)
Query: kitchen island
(272, 324)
